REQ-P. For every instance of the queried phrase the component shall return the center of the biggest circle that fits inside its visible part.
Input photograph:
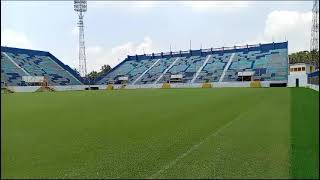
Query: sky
(114, 30)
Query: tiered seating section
(16, 63)
(130, 68)
(269, 65)
(10, 73)
(268, 61)
(153, 74)
(187, 66)
(214, 68)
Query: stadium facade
(236, 66)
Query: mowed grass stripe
(305, 133)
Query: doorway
(297, 82)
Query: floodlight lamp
(80, 5)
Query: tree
(105, 68)
(94, 74)
(305, 57)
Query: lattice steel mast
(314, 44)
(80, 6)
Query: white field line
(194, 147)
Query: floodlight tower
(80, 6)
(314, 44)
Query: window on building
(303, 68)
(299, 68)
(295, 69)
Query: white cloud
(94, 49)
(98, 55)
(14, 38)
(294, 26)
(216, 5)
(134, 48)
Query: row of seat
(131, 69)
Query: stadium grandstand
(16, 63)
(226, 66)
(263, 62)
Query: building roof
(301, 64)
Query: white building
(298, 76)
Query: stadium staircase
(166, 70)
(145, 72)
(226, 68)
(200, 69)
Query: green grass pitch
(161, 133)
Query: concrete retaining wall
(147, 86)
(314, 87)
(23, 88)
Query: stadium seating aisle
(156, 71)
(130, 68)
(214, 68)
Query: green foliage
(304, 57)
(105, 68)
(94, 74)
